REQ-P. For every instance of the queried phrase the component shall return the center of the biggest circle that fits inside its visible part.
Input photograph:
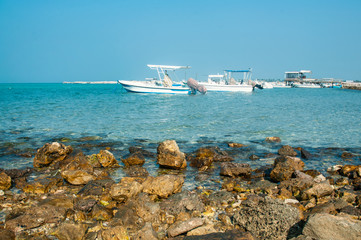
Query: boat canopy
(235, 71)
(167, 67)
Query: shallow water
(94, 116)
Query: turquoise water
(33, 114)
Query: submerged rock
(287, 151)
(5, 181)
(169, 155)
(134, 159)
(51, 152)
(273, 139)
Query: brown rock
(101, 213)
(5, 181)
(287, 151)
(134, 159)
(183, 227)
(236, 145)
(318, 190)
(164, 185)
(233, 234)
(203, 158)
(347, 170)
(147, 232)
(51, 152)
(115, 233)
(235, 169)
(347, 155)
(125, 190)
(43, 185)
(284, 167)
(77, 177)
(6, 234)
(169, 155)
(107, 159)
(70, 231)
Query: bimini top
(237, 70)
(167, 67)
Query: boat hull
(227, 88)
(145, 87)
(307, 86)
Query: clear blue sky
(56, 41)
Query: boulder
(284, 167)
(134, 159)
(324, 226)
(107, 159)
(287, 150)
(305, 154)
(185, 226)
(51, 152)
(125, 190)
(318, 190)
(348, 170)
(5, 181)
(235, 169)
(70, 231)
(163, 185)
(169, 155)
(268, 219)
(77, 177)
(182, 202)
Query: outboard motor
(254, 85)
(195, 86)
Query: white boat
(267, 85)
(226, 83)
(280, 85)
(306, 85)
(163, 85)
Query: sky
(56, 41)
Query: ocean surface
(325, 122)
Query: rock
(100, 213)
(147, 210)
(234, 234)
(319, 178)
(70, 231)
(43, 185)
(96, 187)
(324, 226)
(77, 177)
(318, 190)
(126, 216)
(284, 167)
(312, 172)
(182, 202)
(125, 190)
(287, 150)
(107, 159)
(169, 155)
(202, 230)
(236, 145)
(134, 159)
(297, 185)
(142, 152)
(136, 171)
(347, 170)
(6, 234)
(85, 205)
(219, 197)
(5, 181)
(305, 154)
(351, 210)
(324, 208)
(269, 219)
(115, 233)
(203, 158)
(185, 226)
(254, 157)
(51, 152)
(35, 217)
(235, 169)
(163, 185)
(347, 155)
(147, 232)
(273, 139)
(18, 173)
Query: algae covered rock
(5, 181)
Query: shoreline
(74, 193)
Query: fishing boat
(161, 85)
(227, 83)
(306, 85)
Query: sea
(91, 117)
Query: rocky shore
(70, 195)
